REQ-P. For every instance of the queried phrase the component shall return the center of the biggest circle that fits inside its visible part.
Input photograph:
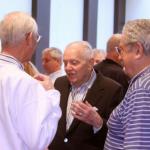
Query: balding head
(82, 48)
(113, 42)
(19, 35)
(15, 26)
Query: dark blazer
(104, 94)
(113, 70)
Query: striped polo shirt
(129, 123)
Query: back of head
(98, 55)
(138, 31)
(15, 26)
(113, 42)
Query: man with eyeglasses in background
(129, 123)
(52, 62)
(29, 108)
(111, 66)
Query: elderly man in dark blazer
(111, 66)
(87, 100)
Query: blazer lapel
(63, 104)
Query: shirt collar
(12, 60)
(141, 73)
(56, 73)
(88, 83)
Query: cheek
(82, 73)
(46, 65)
(128, 65)
(124, 59)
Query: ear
(139, 50)
(29, 38)
(91, 61)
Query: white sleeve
(35, 113)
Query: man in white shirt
(29, 108)
(52, 62)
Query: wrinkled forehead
(74, 51)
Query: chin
(72, 82)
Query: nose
(67, 66)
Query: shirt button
(65, 140)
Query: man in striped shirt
(129, 123)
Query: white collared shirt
(28, 114)
(56, 74)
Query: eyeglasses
(118, 50)
(38, 38)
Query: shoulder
(61, 82)
(17, 80)
(106, 82)
(61, 79)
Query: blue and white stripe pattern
(129, 123)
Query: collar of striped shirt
(87, 84)
(141, 73)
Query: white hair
(138, 31)
(99, 52)
(54, 52)
(86, 48)
(15, 26)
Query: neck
(11, 54)
(15, 51)
(56, 68)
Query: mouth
(71, 75)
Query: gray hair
(15, 26)
(99, 52)
(86, 48)
(54, 52)
(138, 31)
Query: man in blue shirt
(129, 123)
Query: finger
(76, 108)
(81, 117)
(83, 105)
(88, 104)
(79, 107)
(94, 108)
(78, 115)
(39, 77)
